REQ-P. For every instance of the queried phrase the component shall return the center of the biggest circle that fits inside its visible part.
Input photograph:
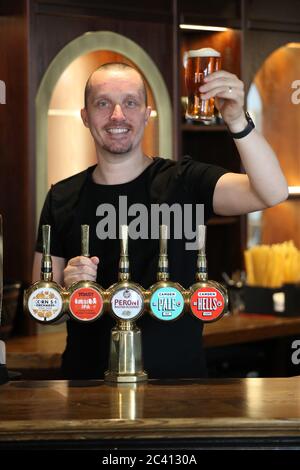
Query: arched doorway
(277, 115)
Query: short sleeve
(47, 218)
(200, 180)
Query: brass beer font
(165, 300)
(126, 300)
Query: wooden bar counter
(190, 414)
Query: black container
(292, 299)
(261, 300)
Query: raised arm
(264, 184)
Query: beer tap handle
(201, 274)
(85, 240)
(124, 240)
(46, 239)
(46, 263)
(201, 238)
(124, 260)
(163, 265)
(163, 240)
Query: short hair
(118, 66)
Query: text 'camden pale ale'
(198, 64)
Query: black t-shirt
(170, 350)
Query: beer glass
(198, 64)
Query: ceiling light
(294, 190)
(202, 27)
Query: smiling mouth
(117, 130)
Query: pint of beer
(198, 64)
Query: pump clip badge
(86, 304)
(207, 304)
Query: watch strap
(246, 131)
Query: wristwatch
(246, 131)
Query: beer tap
(86, 298)
(166, 297)
(45, 299)
(126, 300)
(208, 300)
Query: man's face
(116, 113)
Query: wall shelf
(203, 128)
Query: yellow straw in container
(273, 265)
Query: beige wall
(280, 125)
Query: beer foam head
(204, 52)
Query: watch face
(167, 303)
(127, 303)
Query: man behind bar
(116, 114)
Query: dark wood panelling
(273, 26)
(213, 13)
(216, 148)
(154, 38)
(224, 249)
(15, 193)
(156, 10)
(277, 16)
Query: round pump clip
(207, 302)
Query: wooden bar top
(36, 352)
(244, 328)
(187, 409)
(44, 350)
